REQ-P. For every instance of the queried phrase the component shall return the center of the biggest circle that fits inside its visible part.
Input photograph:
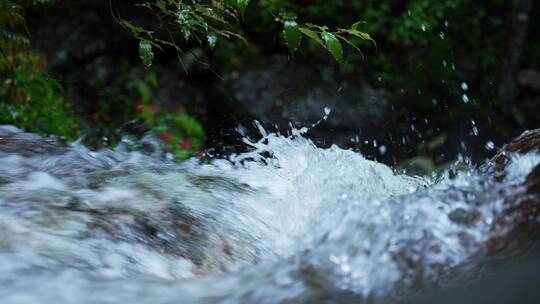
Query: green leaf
(361, 35)
(145, 53)
(312, 34)
(355, 25)
(333, 45)
(240, 5)
(349, 43)
(292, 35)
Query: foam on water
(284, 221)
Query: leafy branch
(207, 21)
(293, 33)
(203, 21)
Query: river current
(284, 222)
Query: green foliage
(11, 41)
(37, 106)
(292, 35)
(32, 101)
(182, 135)
(421, 44)
(129, 98)
(203, 21)
(213, 19)
(146, 54)
(28, 98)
(312, 34)
(240, 5)
(333, 45)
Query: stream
(283, 222)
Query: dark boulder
(282, 91)
(528, 141)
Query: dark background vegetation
(447, 77)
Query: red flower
(186, 144)
(165, 137)
(140, 107)
(199, 154)
(107, 118)
(153, 108)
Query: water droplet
(444, 63)
(475, 131)
(464, 86)
(382, 149)
(465, 98)
(489, 146)
(423, 27)
(445, 23)
(441, 35)
(327, 112)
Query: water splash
(283, 221)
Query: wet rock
(526, 197)
(135, 126)
(14, 140)
(512, 232)
(463, 216)
(521, 219)
(528, 141)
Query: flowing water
(286, 222)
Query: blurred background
(446, 78)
